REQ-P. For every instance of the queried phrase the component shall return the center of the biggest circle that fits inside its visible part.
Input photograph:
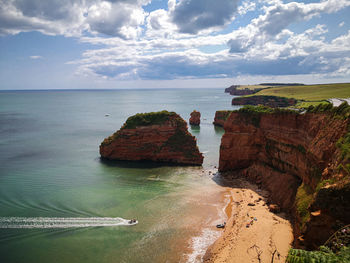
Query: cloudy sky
(56, 44)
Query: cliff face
(271, 101)
(159, 137)
(195, 118)
(220, 117)
(295, 157)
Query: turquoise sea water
(64, 205)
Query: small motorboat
(132, 222)
(107, 115)
(221, 225)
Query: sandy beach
(252, 232)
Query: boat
(221, 225)
(132, 222)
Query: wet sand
(251, 232)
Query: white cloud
(121, 18)
(277, 17)
(245, 7)
(192, 16)
(185, 41)
(35, 57)
(116, 19)
(341, 24)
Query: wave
(62, 222)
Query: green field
(310, 94)
(252, 87)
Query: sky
(84, 44)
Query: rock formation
(237, 91)
(195, 118)
(157, 136)
(302, 159)
(271, 101)
(220, 117)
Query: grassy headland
(309, 94)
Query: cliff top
(152, 118)
(263, 109)
(305, 95)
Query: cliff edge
(302, 159)
(156, 136)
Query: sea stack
(195, 118)
(155, 136)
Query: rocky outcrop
(221, 116)
(271, 101)
(158, 136)
(237, 91)
(302, 159)
(195, 118)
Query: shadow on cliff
(139, 164)
(234, 180)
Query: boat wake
(62, 222)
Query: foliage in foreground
(324, 255)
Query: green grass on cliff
(146, 119)
(150, 118)
(303, 199)
(308, 94)
(263, 109)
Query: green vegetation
(145, 119)
(306, 104)
(310, 92)
(263, 109)
(253, 87)
(303, 200)
(223, 114)
(324, 255)
(340, 112)
(271, 101)
(150, 118)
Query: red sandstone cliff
(220, 117)
(195, 118)
(271, 101)
(295, 157)
(159, 137)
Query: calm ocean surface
(60, 203)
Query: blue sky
(56, 44)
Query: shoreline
(217, 197)
(250, 229)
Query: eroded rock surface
(195, 118)
(295, 157)
(159, 137)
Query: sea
(59, 202)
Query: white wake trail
(62, 222)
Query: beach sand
(267, 235)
